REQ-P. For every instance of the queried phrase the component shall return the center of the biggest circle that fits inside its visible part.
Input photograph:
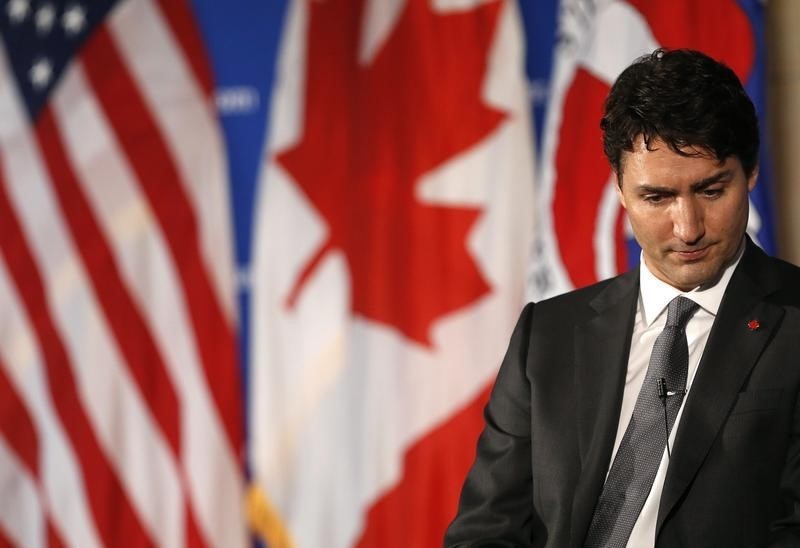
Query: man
(658, 408)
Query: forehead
(657, 164)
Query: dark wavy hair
(686, 99)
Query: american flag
(120, 403)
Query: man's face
(688, 213)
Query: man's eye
(712, 192)
(653, 198)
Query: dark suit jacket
(734, 474)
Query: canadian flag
(394, 226)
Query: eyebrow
(723, 175)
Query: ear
(751, 181)
(618, 188)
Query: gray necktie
(636, 462)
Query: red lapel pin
(754, 324)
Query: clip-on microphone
(661, 387)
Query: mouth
(692, 255)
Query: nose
(687, 221)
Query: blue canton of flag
(42, 37)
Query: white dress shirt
(651, 317)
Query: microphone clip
(663, 394)
(661, 387)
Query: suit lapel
(601, 356)
(729, 356)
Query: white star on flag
(41, 72)
(44, 18)
(74, 19)
(17, 10)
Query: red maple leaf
(370, 131)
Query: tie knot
(679, 310)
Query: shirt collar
(655, 294)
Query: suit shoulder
(576, 304)
(787, 276)
(786, 269)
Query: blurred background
(259, 261)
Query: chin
(707, 277)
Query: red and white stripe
(117, 341)
(39, 462)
